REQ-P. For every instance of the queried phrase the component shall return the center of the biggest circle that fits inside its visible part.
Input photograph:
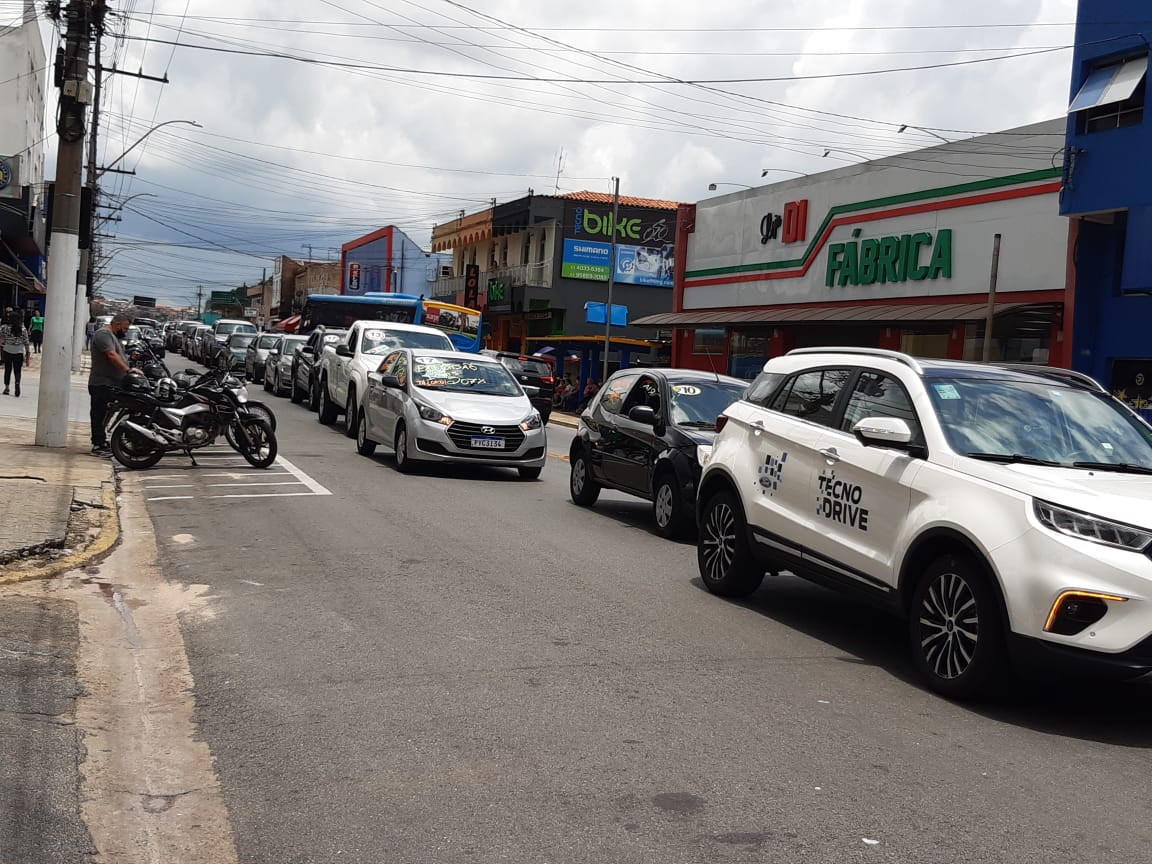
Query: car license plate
(488, 443)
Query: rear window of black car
(524, 366)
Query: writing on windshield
(435, 373)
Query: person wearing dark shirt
(109, 367)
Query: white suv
(1005, 511)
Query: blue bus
(338, 310)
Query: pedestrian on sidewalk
(89, 332)
(16, 348)
(109, 366)
(37, 330)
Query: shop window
(708, 342)
(920, 344)
(748, 351)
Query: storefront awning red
(942, 313)
(288, 325)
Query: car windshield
(463, 376)
(241, 340)
(267, 340)
(381, 341)
(225, 329)
(132, 334)
(1022, 421)
(289, 346)
(699, 403)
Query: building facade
(541, 269)
(895, 253)
(1108, 197)
(22, 94)
(388, 261)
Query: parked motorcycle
(145, 426)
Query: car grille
(461, 435)
(430, 446)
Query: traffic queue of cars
(1002, 511)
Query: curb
(107, 538)
(564, 420)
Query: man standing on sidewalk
(109, 366)
(37, 328)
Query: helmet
(166, 389)
(136, 382)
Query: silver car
(444, 406)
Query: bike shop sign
(645, 244)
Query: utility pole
(611, 277)
(199, 301)
(990, 315)
(64, 258)
(87, 280)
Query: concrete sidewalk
(60, 501)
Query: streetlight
(129, 198)
(845, 152)
(764, 171)
(925, 131)
(142, 137)
(712, 186)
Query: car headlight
(1092, 528)
(532, 421)
(432, 415)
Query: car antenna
(708, 354)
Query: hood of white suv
(1124, 497)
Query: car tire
(365, 446)
(297, 395)
(327, 413)
(956, 629)
(530, 473)
(581, 487)
(350, 414)
(727, 566)
(267, 388)
(314, 397)
(400, 445)
(668, 506)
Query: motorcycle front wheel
(255, 441)
(133, 450)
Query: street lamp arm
(764, 171)
(136, 143)
(712, 186)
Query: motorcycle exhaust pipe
(147, 433)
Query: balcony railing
(533, 275)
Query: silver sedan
(444, 406)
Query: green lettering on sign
(889, 259)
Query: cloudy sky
(324, 119)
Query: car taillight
(547, 379)
(721, 422)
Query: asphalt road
(462, 666)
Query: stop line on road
(223, 474)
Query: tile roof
(627, 200)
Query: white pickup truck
(343, 372)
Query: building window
(1119, 115)
(708, 342)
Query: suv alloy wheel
(727, 567)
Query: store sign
(645, 250)
(903, 258)
(499, 296)
(794, 221)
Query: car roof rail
(1056, 372)
(898, 356)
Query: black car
(531, 372)
(304, 364)
(640, 435)
(231, 355)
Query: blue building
(1107, 193)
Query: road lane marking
(560, 456)
(316, 488)
(286, 483)
(269, 495)
(173, 486)
(172, 498)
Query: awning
(928, 312)
(1110, 84)
(288, 325)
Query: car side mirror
(392, 382)
(530, 390)
(644, 415)
(305, 349)
(343, 351)
(890, 432)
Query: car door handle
(830, 454)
